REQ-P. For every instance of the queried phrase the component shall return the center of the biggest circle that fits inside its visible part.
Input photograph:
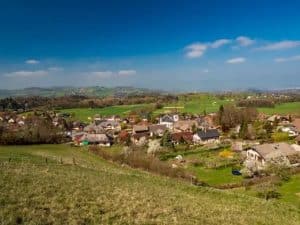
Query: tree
(243, 130)
(166, 140)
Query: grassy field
(285, 108)
(207, 160)
(196, 104)
(82, 114)
(75, 187)
(290, 191)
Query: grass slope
(97, 192)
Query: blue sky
(171, 45)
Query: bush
(138, 159)
(267, 191)
(280, 137)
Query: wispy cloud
(55, 69)
(281, 45)
(244, 41)
(288, 59)
(195, 50)
(111, 74)
(236, 60)
(220, 42)
(205, 71)
(102, 74)
(198, 49)
(32, 61)
(27, 74)
(126, 72)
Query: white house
(292, 131)
(263, 154)
(168, 120)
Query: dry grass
(97, 192)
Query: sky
(171, 45)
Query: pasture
(83, 114)
(75, 187)
(292, 108)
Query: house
(291, 130)
(94, 129)
(157, 130)
(184, 125)
(11, 120)
(205, 122)
(168, 120)
(135, 138)
(296, 124)
(110, 125)
(263, 154)
(206, 136)
(279, 119)
(96, 139)
(140, 129)
(298, 140)
(139, 132)
(182, 137)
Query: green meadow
(285, 108)
(83, 114)
(196, 104)
(58, 184)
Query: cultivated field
(57, 184)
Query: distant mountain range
(86, 91)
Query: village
(250, 150)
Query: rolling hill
(58, 184)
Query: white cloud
(32, 61)
(288, 59)
(205, 71)
(195, 50)
(219, 43)
(198, 49)
(281, 45)
(126, 72)
(55, 69)
(102, 74)
(244, 41)
(236, 60)
(27, 74)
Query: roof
(208, 134)
(186, 136)
(296, 123)
(94, 128)
(184, 124)
(157, 128)
(269, 151)
(109, 123)
(140, 128)
(167, 119)
(95, 138)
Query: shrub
(280, 137)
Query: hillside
(74, 187)
(86, 91)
